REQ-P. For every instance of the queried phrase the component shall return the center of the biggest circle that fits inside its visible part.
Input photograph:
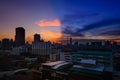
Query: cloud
(106, 28)
(100, 24)
(111, 33)
(72, 23)
(46, 23)
(71, 32)
(109, 27)
(79, 18)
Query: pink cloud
(45, 23)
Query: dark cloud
(100, 24)
(71, 32)
(111, 33)
(72, 22)
(105, 27)
(78, 18)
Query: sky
(53, 19)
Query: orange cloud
(45, 23)
(50, 35)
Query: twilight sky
(89, 19)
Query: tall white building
(41, 48)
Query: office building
(102, 57)
(37, 38)
(88, 69)
(89, 64)
(22, 50)
(41, 48)
(55, 55)
(20, 36)
(66, 56)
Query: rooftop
(53, 63)
(59, 65)
(95, 52)
(88, 61)
(97, 68)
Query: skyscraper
(37, 38)
(20, 36)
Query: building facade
(42, 49)
(102, 57)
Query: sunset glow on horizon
(50, 35)
(50, 29)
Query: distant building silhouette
(107, 43)
(71, 41)
(37, 38)
(5, 43)
(20, 36)
(0, 44)
(11, 42)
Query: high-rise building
(20, 36)
(37, 38)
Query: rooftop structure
(52, 63)
(101, 57)
(59, 65)
(79, 67)
(88, 61)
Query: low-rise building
(55, 55)
(21, 50)
(66, 56)
(55, 70)
(88, 69)
(102, 57)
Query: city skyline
(52, 19)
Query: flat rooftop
(88, 61)
(60, 65)
(97, 68)
(94, 52)
(51, 64)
